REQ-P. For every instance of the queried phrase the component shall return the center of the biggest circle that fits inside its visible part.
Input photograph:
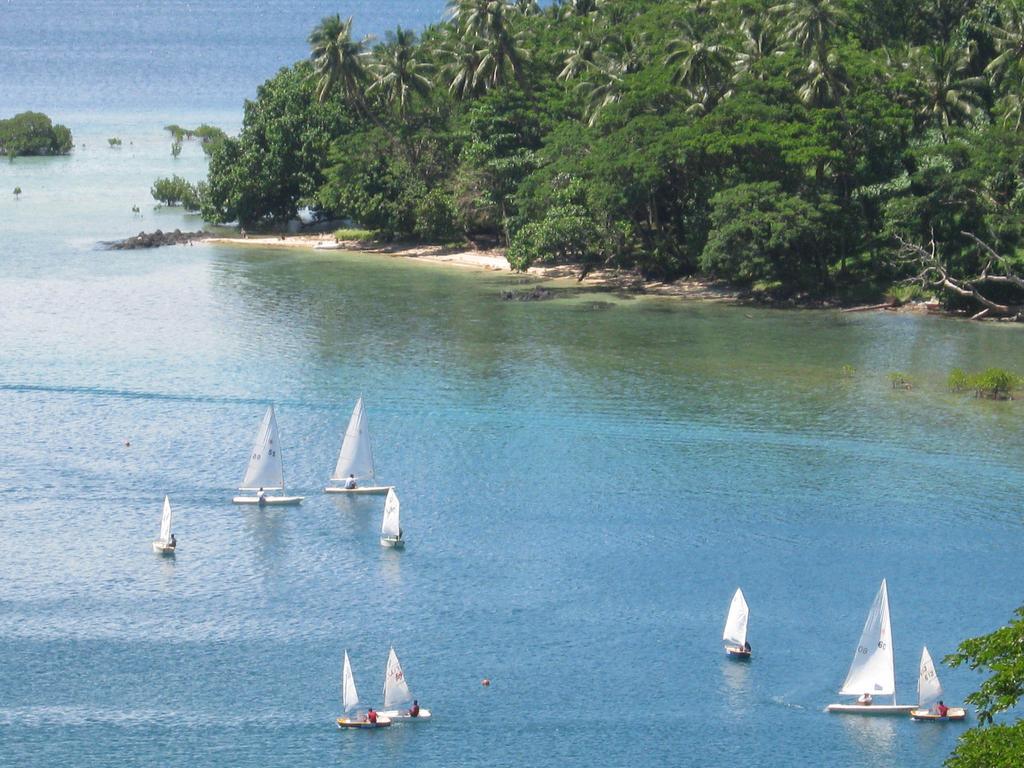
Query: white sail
(389, 525)
(165, 522)
(736, 624)
(872, 667)
(396, 689)
(265, 469)
(929, 689)
(349, 696)
(356, 457)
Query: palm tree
(759, 42)
(618, 57)
(949, 94)
(580, 58)
(463, 60)
(580, 7)
(485, 27)
(502, 59)
(704, 70)
(1012, 108)
(811, 25)
(1008, 37)
(337, 59)
(398, 74)
(824, 83)
(600, 91)
(478, 17)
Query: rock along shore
(156, 240)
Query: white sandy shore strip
(494, 260)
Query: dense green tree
(177, 191)
(762, 234)
(784, 144)
(1001, 653)
(33, 133)
(277, 162)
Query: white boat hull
(392, 541)
(328, 246)
(269, 501)
(163, 549)
(345, 722)
(954, 713)
(404, 716)
(871, 709)
(369, 490)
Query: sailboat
(929, 693)
(872, 672)
(735, 635)
(355, 461)
(397, 693)
(166, 544)
(265, 472)
(350, 700)
(390, 528)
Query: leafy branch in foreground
(991, 745)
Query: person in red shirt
(941, 709)
(371, 715)
(414, 710)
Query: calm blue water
(584, 481)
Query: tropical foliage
(1001, 654)
(779, 145)
(33, 133)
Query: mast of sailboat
(280, 457)
(369, 444)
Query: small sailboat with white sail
(166, 544)
(398, 701)
(265, 472)
(350, 701)
(390, 526)
(354, 469)
(929, 694)
(872, 672)
(735, 635)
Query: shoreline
(493, 260)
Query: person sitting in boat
(173, 543)
(414, 710)
(865, 699)
(261, 496)
(941, 709)
(350, 483)
(746, 646)
(371, 715)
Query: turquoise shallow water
(584, 482)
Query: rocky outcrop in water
(536, 294)
(156, 240)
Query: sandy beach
(494, 260)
